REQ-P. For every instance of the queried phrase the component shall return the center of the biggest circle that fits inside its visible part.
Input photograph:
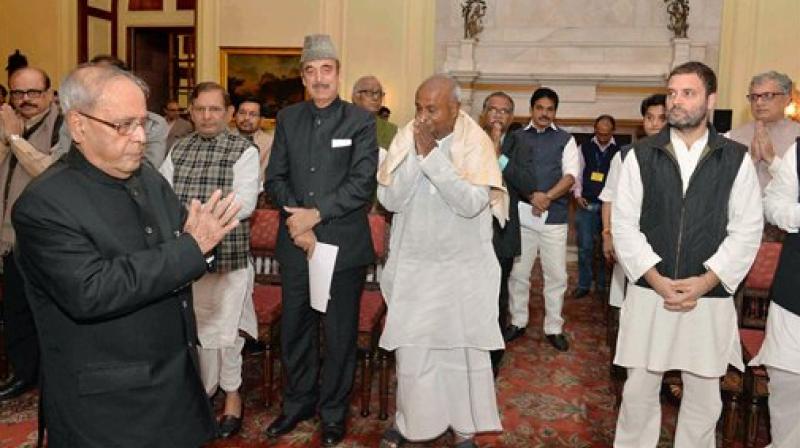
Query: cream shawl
(472, 154)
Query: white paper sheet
(320, 275)
(528, 220)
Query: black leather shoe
(558, 341)
(284, 424)
(512, 332)
(580, 293)
(229, 426)
(332, 433)
(13, 388)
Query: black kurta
(107, 271)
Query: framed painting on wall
(270, 74)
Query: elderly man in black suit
(322, 173)
(108, 253)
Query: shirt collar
(677, 142)
(327, 110)
(531, 126)
(606, 146)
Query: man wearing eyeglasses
(177, 126)
(247, 122)
(497, 116)
(368, 94)
(770, 93)
(108, 252)
(28, 131)
(209, 159)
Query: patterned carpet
(547, 398)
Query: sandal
(392, 439)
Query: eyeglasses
(31, 93)
(499, 111)
(373, 93)
(766, 96)
(242, 113)
(125, 127)
(214, 110)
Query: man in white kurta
(684, 267)
(654, 118)
(442, 279)
(780, 352)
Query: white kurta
(223, 303)
(706, 339)
(442, 279)
(780, 352)
(781, 348)
(440, 283)
(616, 292)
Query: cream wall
(44, 31)
(391, 39)
(757, 36)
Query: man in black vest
(497, 115)
(596, 156)
(322, 174)
(779, 352)
(687, 226)
(543, 167)
(31, 130)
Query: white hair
(83, 86)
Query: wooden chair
(752, 304)
(266, 292)
(371, 314)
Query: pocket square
(341, 142)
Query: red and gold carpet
(546, 398)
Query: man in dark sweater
(596, 156)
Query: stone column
(681, 51)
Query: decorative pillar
(681, 51)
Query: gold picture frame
(271, 74)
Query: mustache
(320, 85)
(26, 103)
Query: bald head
(368, 93)
(85, 86)
(437, 103)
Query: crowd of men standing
(128, 281)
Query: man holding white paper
(321, 173)
(543, 165)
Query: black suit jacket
(107, 273)
(326, 158)
(507, 239)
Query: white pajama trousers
(551, 245)
(784, 411)
(639, 420)
(221, 367)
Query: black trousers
(22, 342)
(502, 318)
(306, 388)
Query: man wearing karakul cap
(321, 173)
